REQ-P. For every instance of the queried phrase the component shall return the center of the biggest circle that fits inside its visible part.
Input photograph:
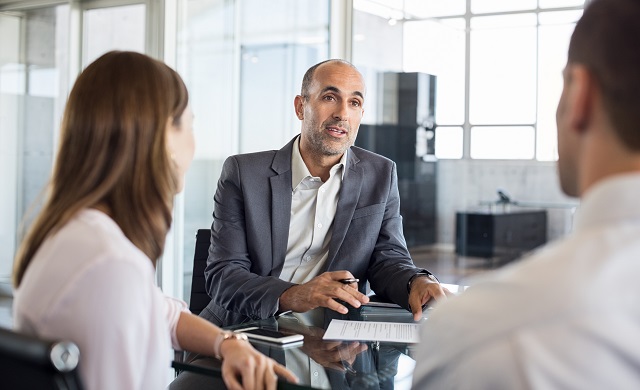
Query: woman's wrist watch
(226, 335)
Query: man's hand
(423, 289)
(336, 355)
(323, 291)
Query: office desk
(320, 364)
(504, 234)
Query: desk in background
(500, 234)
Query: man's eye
(329, 97)
(356, 103)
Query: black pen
(349, 281)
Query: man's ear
(298, 105)
(581, 96)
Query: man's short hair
(606, 40)
(308, 76)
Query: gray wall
(464, 184)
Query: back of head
(607, 41)
(113, 152)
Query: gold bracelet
(225, 335)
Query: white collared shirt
(567, 317)
(313, 209)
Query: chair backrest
(199, 298)
(27, 362)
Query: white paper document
(372, 331)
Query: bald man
(305, 227)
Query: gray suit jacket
(250, 230)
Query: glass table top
(318, 363)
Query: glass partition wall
(39, 60)
(243, 62)
(498, 68)
(33, 87)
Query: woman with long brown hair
(86, 268)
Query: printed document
(395, 332)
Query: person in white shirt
(568, 316)
(85, 270)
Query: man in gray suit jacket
(292, 226)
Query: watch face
(240, 336)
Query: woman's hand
(245, 368)
(242, 366)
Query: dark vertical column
(406, 136)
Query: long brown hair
(113, 153)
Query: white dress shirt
(567, 317)
(89, 284)
(313, 209)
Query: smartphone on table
(270, 335)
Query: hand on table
(332, 354)
(424, 289)
(245, 368)
(323, 291)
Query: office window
(503, 70)
(113, 28)
(242, 75)
(33, 90)
(434, 8)
(560, 3)
(438, 47)
(498, 66)
(502, 142)
(485, 6)
(39, 61)
(554, 32)
(448, 142)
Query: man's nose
(341, 112)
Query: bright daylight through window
(498, 66)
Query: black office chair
(199, 299)
(27, 362)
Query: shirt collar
(299, 169)
(611, 200)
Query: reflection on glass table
(318, 363)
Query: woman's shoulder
(89, 251)
(90, 236)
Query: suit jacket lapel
(347, 201)
(280, 206)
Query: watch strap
(225, 335)
(426, 273)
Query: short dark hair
(308, 76)
(606, 40)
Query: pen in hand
(349, 280)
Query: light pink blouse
(89, 284)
